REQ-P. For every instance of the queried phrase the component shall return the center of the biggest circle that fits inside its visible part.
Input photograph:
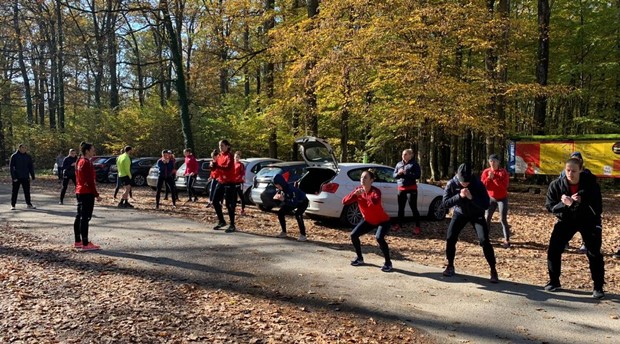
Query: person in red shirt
(86, 193)
(368, 199)
(240, 180)
(224, 167)
(495, 179)
(191, 172)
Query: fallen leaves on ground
(49, 294)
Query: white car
(327, 182)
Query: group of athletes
(574, 198)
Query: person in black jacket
(470, 199)
(293, 199)
(68, 173)
(406, 172)
(21, 170)
(575, 199)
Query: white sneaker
(282, 235)
(12, 207)
(302, 238)
(30, 206)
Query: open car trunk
(314, 178)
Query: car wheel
(264, 208)
(139, 180)
(247, 196)
(351, 215)
(435, 211)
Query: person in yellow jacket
(123, 163)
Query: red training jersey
(191, 165)
(239, 172)
(85, 177)
(370, 205)
(498, 186)
(225, 168)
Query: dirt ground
(525, 261)
(44, 298)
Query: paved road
(456, 310)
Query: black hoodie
(587, 211)
(21, 166)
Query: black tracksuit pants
(459, 221)
(563, 232)
(25, 183)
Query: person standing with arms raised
(22, 170)
(495, 180)
(406, 172)
(123, 162)
(86, 194)
(224, 167)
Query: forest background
(451, 78)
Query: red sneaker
(396, 227)
(417, 230)
(77, 244)
(91, 247)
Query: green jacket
(123, 162)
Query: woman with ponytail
(86, 193)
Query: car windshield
(269, 172)
(100, 160)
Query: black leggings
(86, 204)
(189, 182)
(365, 227)
(230, 193)
(299, 215)
(412, 196)
(480, 225)
(170, 184)
(563, 232)
(240, 195)
(65, 184)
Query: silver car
(327, 182)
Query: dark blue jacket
(292, 195)
(21, 166)
(474, 207)
(165, 169)
(67, 169)
(412, 173)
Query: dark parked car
(102, 167)
(201, 184)
(139, 170)
(263, 189)
(151, 179)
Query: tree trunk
(22, 63)
(309, 84)
(424, 150)
(542, 65)
(454, 155)
(268, 71)
(177, 59)
(344, 115)
(433, 150)
(60, 57)
(110, 27)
